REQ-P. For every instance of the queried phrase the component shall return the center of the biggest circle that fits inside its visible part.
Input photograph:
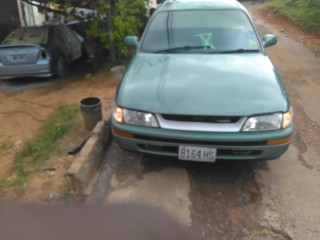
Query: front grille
(220, 152)
(199, 142)
(202, 119)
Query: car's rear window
(37, 35)
(215, 29)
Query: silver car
(39, 51)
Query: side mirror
(269, 40)
(131, 41)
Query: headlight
(139, 118)
(134, 117)
(268, 122)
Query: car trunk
(19, 54)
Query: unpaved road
(25, 106)
(237, 200)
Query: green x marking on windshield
(205, 40)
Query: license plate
(201, 154)
(18, 57)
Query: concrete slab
(156, 189)
(86, 164)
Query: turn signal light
(117, 114)
(286, 120)
(279, 141)
(122, 133)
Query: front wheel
(61, 67)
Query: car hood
(200, 84)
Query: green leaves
(128, 18)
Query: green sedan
(201, 87)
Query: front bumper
(230, 146)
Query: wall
(39, 17)
(9, 12)
(9, 17)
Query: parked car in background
(39, 51)
(202, 88)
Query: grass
(6, 146)
(4, 183)
(304, 12)
(36, 151)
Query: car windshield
(37, 35)
(212, 31)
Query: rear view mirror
(269, 40)
(131, 41)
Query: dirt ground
(23, 113)
(289, 28)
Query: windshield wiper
(187, 48)
(240, 50)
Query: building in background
(31, 15)
(17, 13)
(153, 4)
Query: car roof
(200, 4)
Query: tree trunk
(109, 26)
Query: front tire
(61, 67)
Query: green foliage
(304, 12)
(98, 26)
(127, 19)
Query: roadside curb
(83, 170)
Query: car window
(219, 30)
(38, 35)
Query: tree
(114, 19)
(129, 18)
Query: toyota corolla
(201, 87)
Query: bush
(128, 18)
